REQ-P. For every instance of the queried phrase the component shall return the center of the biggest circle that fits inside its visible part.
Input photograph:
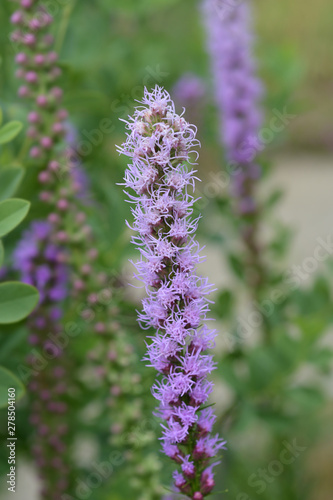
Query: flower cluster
(42, 257)
(238, 91)
(42, 264)
(189, 89)
(65, 194)
(161, 146)
(39, 72)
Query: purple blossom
(238, 92)
(189, 89)
(40, 263)
(162, 147)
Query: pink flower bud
(42, 101)
(53, 218)
(39, 59)
(43, 430)
(23, 91)
(46, 142)
(26, 4)
(45, 394)
(62, 114)
(31, 77)
(57, 128)
(57, 92)
(93, 298)
(79, 285)
(35, 152)
(16, 36)
(93, 253)
(32, 132)
(80, 217)
(86, 269)
(29, 39)
(62, 236)
(53, 166)
(62, 204)
(45, 196)
(112, 355)
(115, 390)
(33, 339)
(100, 327)
(35, 24)
(33, 117)
(17, 17)
(44, 177)
(21, 58)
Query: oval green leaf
(10, 179)
(12, 212)
(2, 253)
(9, 381)
(17, 301)
(9, 131)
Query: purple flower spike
(162, 147)
(51, 277)
(238, 91)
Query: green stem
(64, 26)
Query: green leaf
(237, 266)
(273, 198)
(17, 300)
(12, 212)
(10, 179)
(0, 117)
(2, 253)
(9, 380)
(9, 131)
(13, 336)
(224, 304)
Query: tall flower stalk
(41, 264)
(238, 91)
(63, 192)
(161, 146)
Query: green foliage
(9, 380)
(17, 300)
(9, 131)
(10, 179)
(2, 253)
(12, 212)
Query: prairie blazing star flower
(162, 148)
(43, 264)
(238, 92)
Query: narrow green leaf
(17, 300)
(1, 114)
(9, 381)
(10, 179)
(224, 304)
(14, 336)
(2, 253)
(9, 131)
(12, 212)
(237, 266)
